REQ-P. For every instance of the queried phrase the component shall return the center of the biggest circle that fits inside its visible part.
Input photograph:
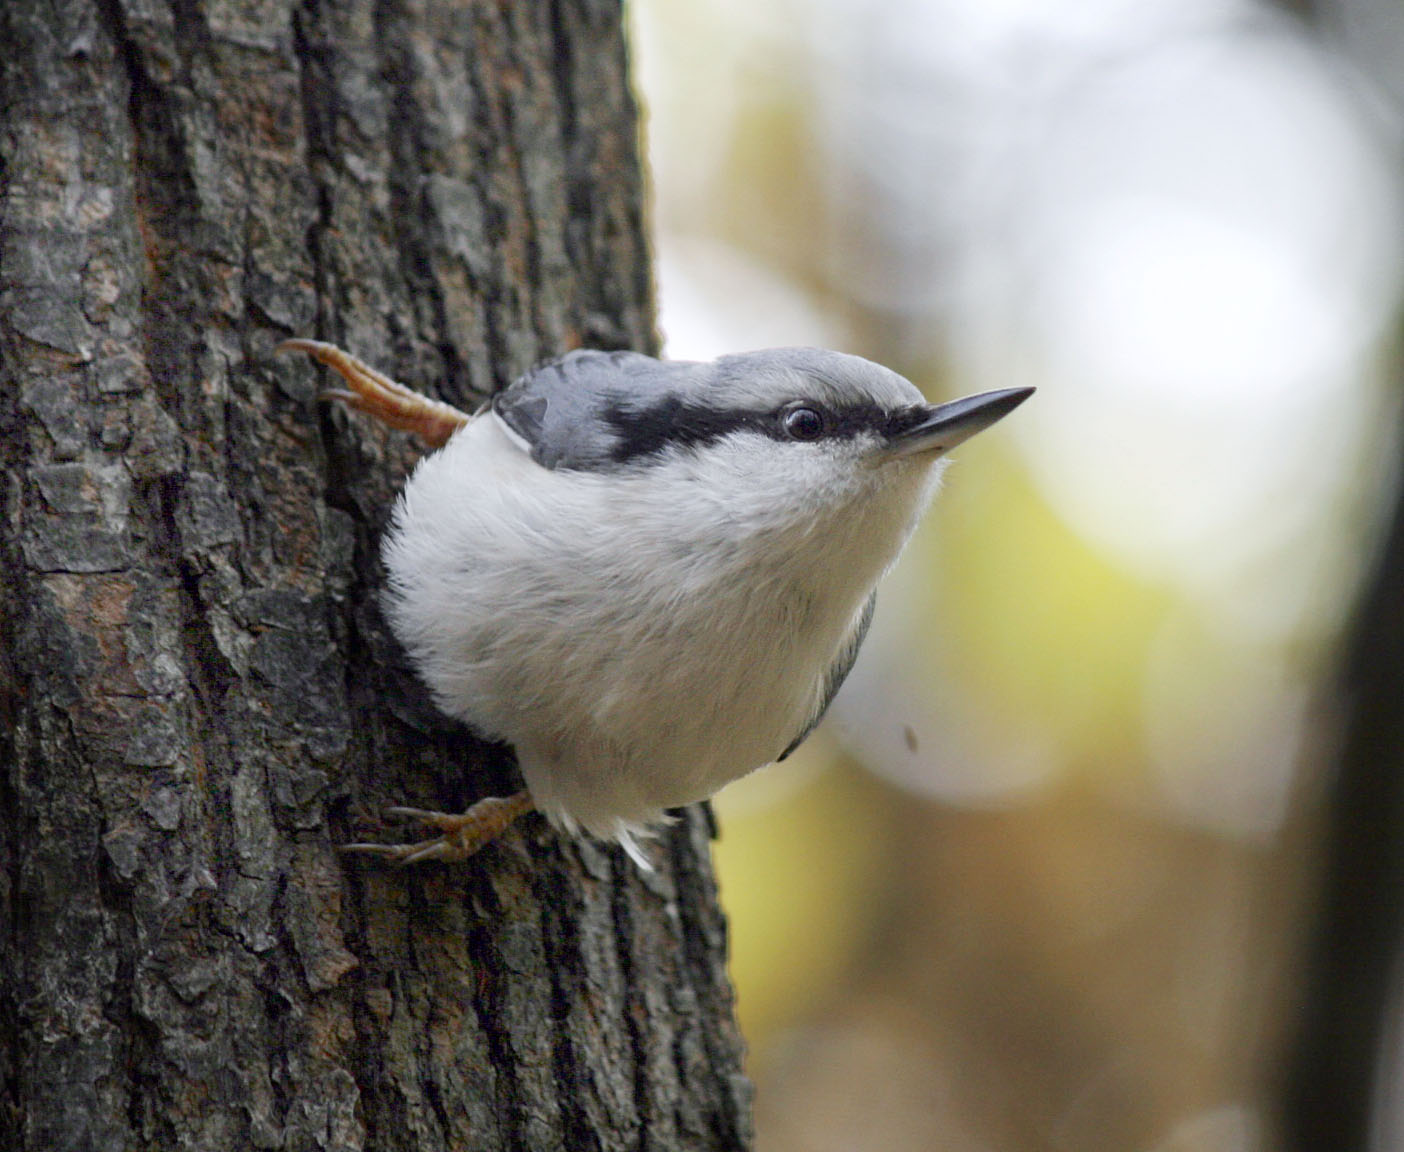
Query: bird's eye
(803, 422)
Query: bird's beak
(946, 425)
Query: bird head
(780, 412)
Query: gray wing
(838, 672)
(566, 410)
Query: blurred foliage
(801, 863)
(1039, 624)
(1042, 885)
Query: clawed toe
(405, 854)
(377, 395)
(463, 833)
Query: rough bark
(198, 692)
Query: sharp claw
(298, 344)
(443, 821)
(431, 850)
(389, 851)
(424, 815)
(403, 854)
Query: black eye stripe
(643, 432)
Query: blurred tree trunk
(196, 689)
(1344, 1074)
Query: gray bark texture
(198, 697)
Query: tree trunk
(200, 699)
(1341, 1088)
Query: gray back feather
(559, 408)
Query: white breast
(641, 637)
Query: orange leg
(388, 401)
(434, 422)
(462, 835)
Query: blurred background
(1076, 862)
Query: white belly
(636, 661)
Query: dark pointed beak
(943, 426)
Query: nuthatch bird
(649, 578)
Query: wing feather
(838, 672)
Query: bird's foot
(462, 835)
(376, 395)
